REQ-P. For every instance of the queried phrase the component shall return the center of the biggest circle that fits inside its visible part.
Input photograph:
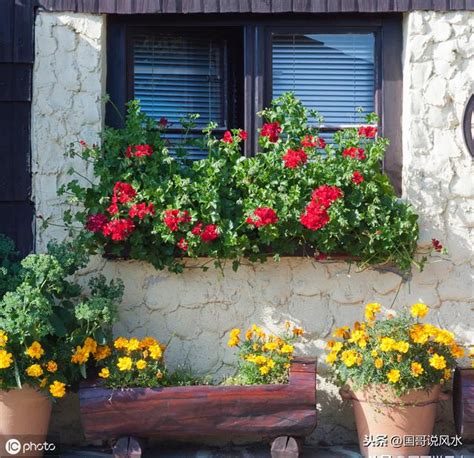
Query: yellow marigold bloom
(393, 375)
(102, 352)
(359, 359)
(52, 366)
(437, 361)
(419, 334)
(90, 345)
(159, 375)
(250, 358)
(235, 332)
(342, 332)
(371, 310)
(57, 389)
(3, 338)
(255, 346)
(43, 382)
(416, 369)
(457, 351)
(155, 351)
(133, 344)
(337, 347)
(234, 338)
(141, 364)
(359, 337)
(419, 310)
(378, 363)
(121, 343)
(260, 360)
(444, 337)
(34, 370)
(80, 356)
(331, 358)
(148, 342)
(6, 359)
(298, 331)
(287, 349)
(233, 342)
(271, 363)
(387, 344)
(264, 370)
(349, 357)
(447, 374)
(270, 346)
(374, 353)
(35, 350)
(248, 334)
(104, 373)
(401, 346)
(125, 363)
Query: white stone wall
(199, 308)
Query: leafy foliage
(149, 205)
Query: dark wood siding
(253, 6)
(16, 66)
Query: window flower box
(194, 413)
(463, 401)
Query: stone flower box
(282, 413)
(463, 402)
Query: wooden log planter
(463, 402)
(281, 413)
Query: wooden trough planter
(463, 402)
(282, 414)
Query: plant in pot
(42, 313)
(393, 370)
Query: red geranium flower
(313, 142)
(182, 244)
(271, 130)
(325, 195)
(262, 216)
(209, 233)
(357, 177)
(197, 230)
(113, 207)
(163, 122)
(96, 222)
(83, 143)
(141, 210)
(118, 229)
(320, 256)
(294, 158)
(243, 135)
(436, 245)
(227, 138)
(139, 151)
(367, 131)
(175, 217)
(354, 153)
(123, 192)
(315, 216)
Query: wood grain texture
(201, 412)
(463, 402)
(253, 6)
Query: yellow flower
(371, 310)
(419, 310)
(349, 357)
(331, 358)
(255, 347)
(102, 352)
(133, 344)
(43, 382)
(401, 346)
(6, 359)
(360, 337)
(90, 345)
(121, 343)
(419, 334)
(35, 350)
(374, 353)
(148, 342)
(3, 338)
(444, 337)
(271, 363)
(359, 359)
(124, 363)
(52, 366)
(264, 370)
(387, 344)
(249, 334)
(104, 373)
(287, 349)
(80, 356)
(457, 351)
(342, 333)
(378, 363)
(260, 360)
(159, 375)
(234, 339)
(437, 361)
(57, 389)
(298, 331)
(393, 375)
(34, 370)
(416, 369)
(269, 346)
(141, 364)
(155, 351)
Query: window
(332, 73)
(229, 67)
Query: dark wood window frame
(256, 87)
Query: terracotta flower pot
(380, 414)
(24, 416)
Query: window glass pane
(331, 73)
(175, 75)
